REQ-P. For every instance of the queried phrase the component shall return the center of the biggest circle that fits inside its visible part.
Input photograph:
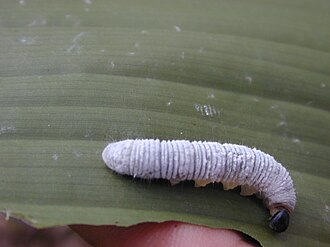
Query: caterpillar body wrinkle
(208, 162)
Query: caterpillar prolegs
(208, 162)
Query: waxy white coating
(184, 160)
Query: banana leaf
(76, 75)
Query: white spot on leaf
(7, 129)
(75, 47)
(211, 96)
(255, 99)
(7, 214)
(144, 32)
(295, 140)
(248, 79)
(111, 64)
(281, 124)
(207, 110)
(177, 28)
(326, 213)
(38, 22)
(88, 134)
(28, 40)
(182, 55)
(274, 107)
(77, 154)
(55, 157)
(78, 37)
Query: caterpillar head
(279, 222)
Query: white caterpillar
(207, 162)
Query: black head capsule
(279, 222)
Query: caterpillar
(208, 162)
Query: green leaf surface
(76, 75)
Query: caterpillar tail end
(279, 222)
(115, 156)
